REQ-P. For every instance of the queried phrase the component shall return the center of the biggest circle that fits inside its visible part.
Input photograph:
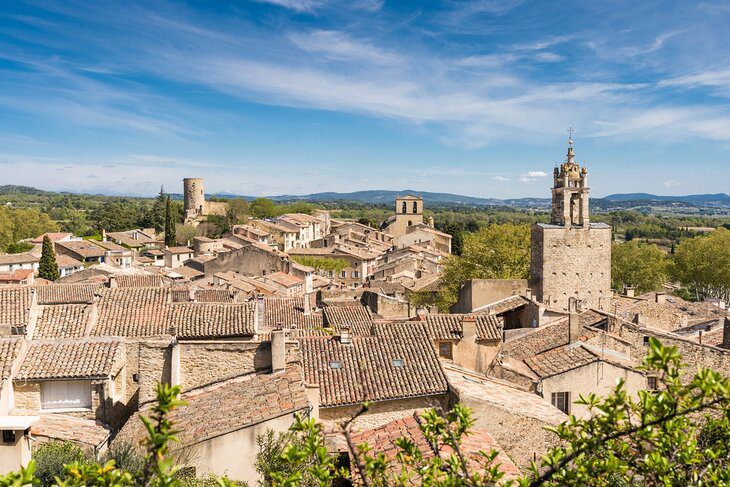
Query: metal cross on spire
(570, 135)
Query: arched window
(415, 207)
(405, 210)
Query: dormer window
(335, 364)
(398, 362)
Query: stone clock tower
(571, 257)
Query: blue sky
(299, 96)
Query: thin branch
(345, 426)
(548, 474)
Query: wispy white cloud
(500, 179)
(671, 184)
(296, 5)
(532, 176)
(341, 47)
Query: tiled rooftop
(66, 359)
(210, 320)
(14, 305)
(66, 293)
(60, 427)
(61, 321)
(9, 349)
(383, 440)
(132, 312)
(84, 248)
(373, 368)
(138, 280)
(559, 360)
(357, 317)
(230, 406)
(449, 327)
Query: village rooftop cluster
(253, 336)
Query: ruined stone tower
(571, 257)
(194, 197)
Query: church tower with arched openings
(571, 257)
(408, 212)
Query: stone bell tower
(570, 192)
(571, 257)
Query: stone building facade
(571, 257)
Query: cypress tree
(169, 224)
(48, 268)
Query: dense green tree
(703, 264)
(457, 237)
(155, 215)
(169, 223)
(494, 252)
(18, 247)
(638, 265)
(322, 263)
(47, 267)
(237, 211)
(263, 208)
(185, 234)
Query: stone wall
(381, 412)
(387, 307)
(209, 362)
(27, 396)
(248, 260)
(693, 354)
(481, 292)
(597, 377)
(154, 367)
(571, 263)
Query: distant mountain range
(720, 200)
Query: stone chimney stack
(469, 329)
(278, 351)
(308, 294)
(630, 292)
(574, 328)
(346, 335)
(661, 298)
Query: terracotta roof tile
(449, 327)
(559, 360)
(66, 293)
(84, 248)
(383, 439)
(61, 321)
(132, 312)
(59, 427)
(357, 317)
(138, 280)
(9, 349)
(236, 403)
(14, 306)
(65, 359)
(369, 368)
(209, 320)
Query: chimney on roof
(175, 371)
(308, 294)
(112, 281)
(630, 292)
(469, 328)
(726, 333)
(346, 334)
(278, 351)
(103, 235)
(640, 320)
(661, 298)
(260, 305)
(574, 328)
(421, 313)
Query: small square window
(652, 383)
(646, 341)
(335, 364)
(446, 350)
(561, 400)
(9, 436)
(398, 362)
